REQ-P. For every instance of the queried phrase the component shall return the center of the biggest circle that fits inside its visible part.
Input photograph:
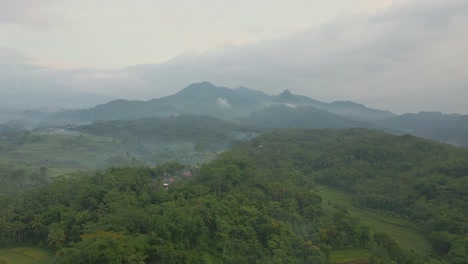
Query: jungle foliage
(256, 203)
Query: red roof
(187, 174)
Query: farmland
(24, 255)
(404, 232)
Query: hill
(402, 175)
(206, 130)
(357, 111)
(288, 116)
(259, 202)
(449, 128)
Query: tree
(56, 236)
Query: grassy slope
(404, 232)
(24, 255)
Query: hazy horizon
(401, 56)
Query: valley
(272, 179)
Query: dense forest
(205, 131)
(421, 180)
(257, 203)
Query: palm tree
(56, 235)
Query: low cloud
(223, 103)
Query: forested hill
(284, 116)
(257, 203)
(204, 130)
(258, 109)
(449, 128)
(424, 181)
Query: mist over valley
(252, 131)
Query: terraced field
(349, 256)
(65, 153)
(404, 232)
(25, 255)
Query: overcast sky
(403, 56)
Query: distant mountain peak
(201, 87)
(286, 92)
(287, 95)
(201, 84)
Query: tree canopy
(257, 203)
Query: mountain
(255, 108)
(115, 110)
(207, 99)
(357, 111)
(287, 97)
(252, 94)
(306, 116)
(198, 98)
(343, 108)
(449, 128)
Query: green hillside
(405, 233)
(395, 199)
(289, 116)
(205, 130)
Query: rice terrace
(24, 255)
(404, 232)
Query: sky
(397, 55)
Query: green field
(404, 232)
(349, 256)
(64, 153)
(25, 255)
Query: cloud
(25, 83)
(223, 103)
(408, 57)
(119, 84)
(31, 13)
(10, 56)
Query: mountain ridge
(206, 98)
(247, 106)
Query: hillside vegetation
(204, 130)
(257, 203)
(405, 233)
(284, 110)
(188, 139)
(287, 116)
(424, 181)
